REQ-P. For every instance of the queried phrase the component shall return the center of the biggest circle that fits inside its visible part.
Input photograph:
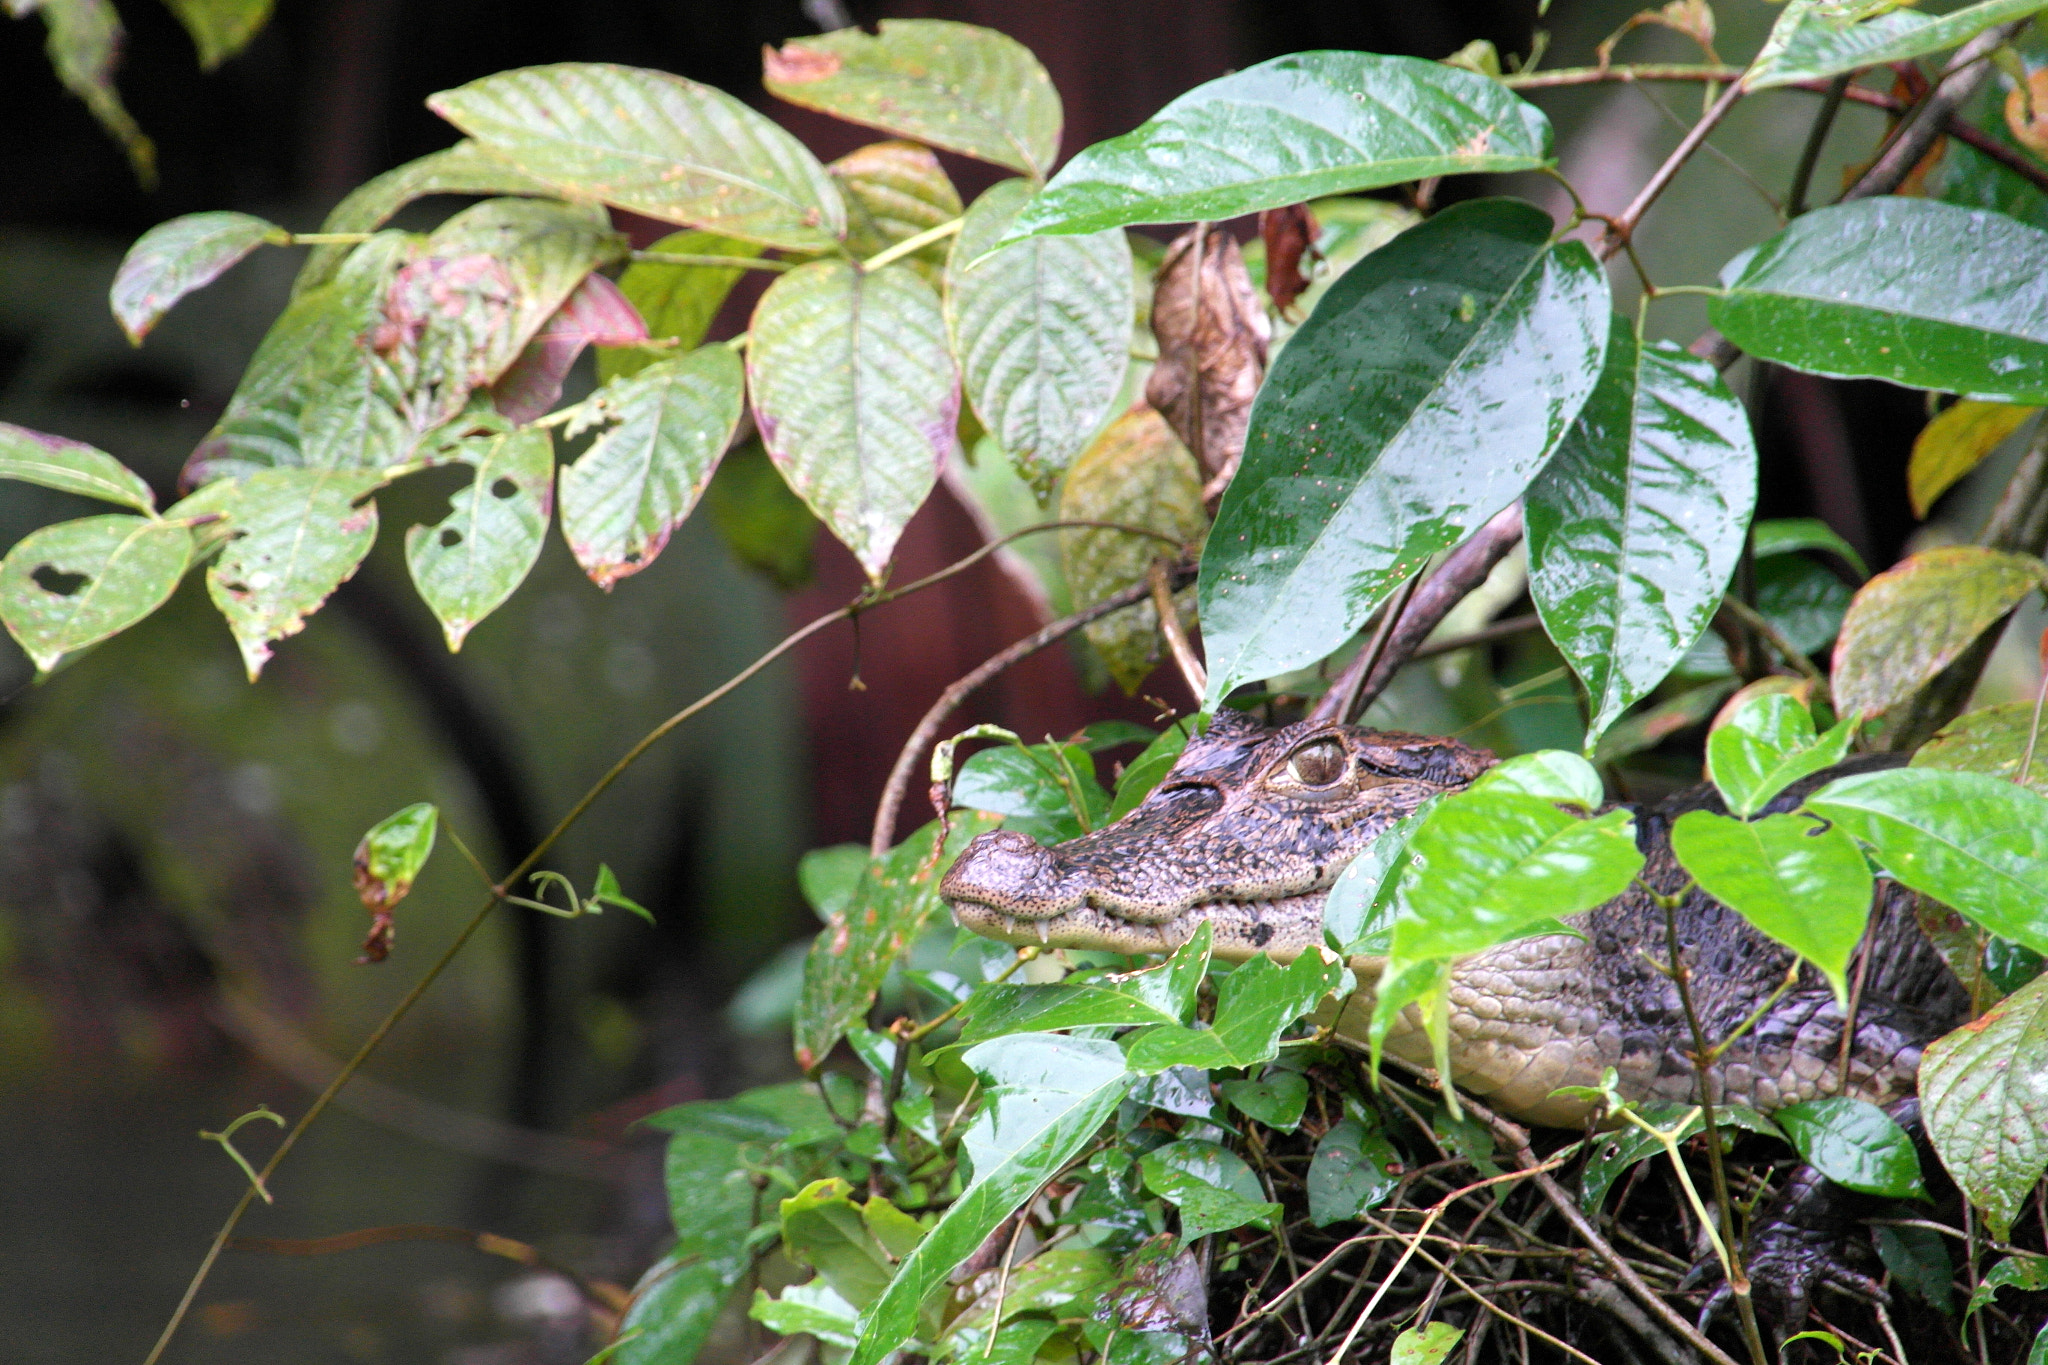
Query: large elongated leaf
(855, 395)
(69, 585)
(467, 564)
(172, 259)
(1919, 292)
(1042, 330)
(1814, 39)
(626, 494)
(656, 144)
(1291, 129)
(1984, 1091)
(1421, 397)
(70, 467)
(1916, 618)
(1854, 1143)
(1046, 1097)
(1637, 524)
(968, 89)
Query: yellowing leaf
(1955, 443)
(1914, 619)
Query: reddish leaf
(1212, 346)
(597, 314)
(1290, 238)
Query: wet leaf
(855, 395)
(387, 861)
(1912, 290)
(626, 494)
(1956, 442)
(1042, 330)
(1211, 1186)
(1278, 1100)
(1137, 474)
(1358, 915)
(962, 87)
(1422, 395)
(84, 47)
(656, 144)
(1144, 772)
(172, 259)
(1915, 619)
(220, 28)
(1047, 791)
(1291, 129)
(2021, 1270)
(1814, 39)
(73, 584)
(71, 467)
(1992, 741)
(1046, 1097)
(1984, 1095)
(893, 191)
(812, 1309)
(1288, 235)
(1156, 995)
(1255, 1004)
(1552, 774)
(468, 563)
(1804, 602)
(1062, 1283)
(1766, 746)
(1854, 1143)
(1636, 526)
(679, 301)
(1427, 1345)
(596, 314)
(1797, 880)
(1918, 1259)
(1353, 1170)
(1968, 840)
(822, 1227)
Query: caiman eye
(1318, 764)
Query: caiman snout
(1014, 874)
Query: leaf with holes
(172, 259)
(1814, 39)
(855, 395)
(220, 28)
(1916, 618)
(1292, 129)
(965, 88)
(679, 301)
(893, 191)
(468, 563)
(628, 492)
(76, 583)
(656, 144)
(70, 467)
(1422, 395)
(1855, 1144)
(1956, 442)
(1984, 1093)
(1799, 881)
(1766, 746)
(1042, 330)
(1636, 526)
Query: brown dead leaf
(1290, 238)
(794, 64)
(1693, 18)
(1212, 357)
(2026, 113)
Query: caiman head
(1247, 832)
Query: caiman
(1253, 825)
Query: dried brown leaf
(1212, 335)
(1290, 238)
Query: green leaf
(1419, 399)
(1649, 728)
(1136, 473)
(1157, 995)
(1918, 1259)
(1047, 791)
(220, 28)
(1552, 774)
(848, 960)
(626, 494)
(1211, 1186)
(1915, 291)
(1984, 1094)
(1916, 618)
(656, 144)
(71, 467)
(1802, 600)
(1046, 1097)
(1427, 1345)
(812, 1309)
(389, 857)
(1636, 526)
(1968, 840)
(172, 259)
(822, 1227)
(830, 877)
(1956, 442)
(1784, 535)
(1815, 39)
(468, 563)
(893, 191)
(1043, 332)
(1994, 741)
(1354, 1169)
(1799, 881)
(1766, 746)
(855, 395)
(1255, 1004)
(1062, 1283)
(677, 301)
(2021, 1270)
(606, 891)
(76, 583)
(84, 47)
(1854, 1143)
(1290, 129)
(1622, 1148)
(1278, 1100)
(1358, 914)
(1144, 772)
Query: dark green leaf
(1918, 1259)
(1255, 1004)
(1984, 1094)
(76, 583)
(391, 854)
(1816, 39)
(1210, 1185)
(766, 526)
(1101, 735)
(1854, 1143)
(1278, 1101)
(1354, 1169)
(172, 259)
(468, 563)
(1804, 602)
(1420, 398)
(1994, 741)
(1784, 535)
(1047, 791)
(1799, 881)
(1766, 746)
(1914, 619)
(1636, 526)
(70, 467)
(1290, 129)
(829, 877)
(677, 301)
(220, 28)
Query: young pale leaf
(1816, 39)
(1046, 1096)
(1766, 746)
(1278, 1101)
(387, 861)
(1984, 1093)
(1042, 330)
(1993, 740)
(1798, 881)
(1551, 774)
(1915, 291)
(811, 1309)
(1636, 526)
(468, 563)
(823, 1228)
(1211, 1186)
(626, 494)
(677, 301)
(1291, 129)
(1255, 1004)
(1138, 474)
(1968, 840)
(220, 28)
(71, 467)
(1624, 1147)
(1854, 1143)
(1430, 1344)
(855, 395)
(1354, 1169)
(76, 583)
(172, 259)
(965, 88)
(1956, 442)
(1420, 398)
(656, 144)
(893, 191)
(1916, 618)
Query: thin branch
(1340, 702)
(1961, 78)
(1697, 72)
(911, 245)
(1191, 670)
(721, 262)
(1624, 226)
(1816, 138)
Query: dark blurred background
(177, 933)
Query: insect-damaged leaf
(1814, 39)
(893, 191)
(1956, 442)
(1636, 526)
(1292, 129)
(172, 259)
(1420, 397)
(855, 395)
(1212, 332)
(629, 491)
(596, 314)
(1984, 1092)
(387, 861)
(468, 563)
(78, 582)
(657, 144)
(1915, 619)
(965, 88)
(70, 467)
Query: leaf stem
(720, 262)
(1702, 72)
(911, 245)
(329, 238)
(1816, 138)
(1761, 624)
(1624, 227)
